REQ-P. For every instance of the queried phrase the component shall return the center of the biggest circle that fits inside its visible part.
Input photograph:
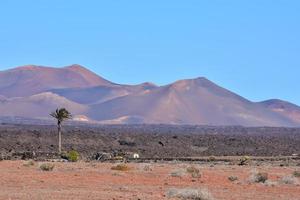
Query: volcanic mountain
(31, 79)
(284, 108)
(34, 91)
(194, 101)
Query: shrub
(289, 180)
(296, 173)
(29, 163)
(211, 158)
(233, 178)
(120, 167)
(73, 156)
(195, 172)
(178, 173)
(47, 167)
(188, 193)
(258, 177)
(244, 160)
(147, 168)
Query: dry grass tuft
(244, 160)
(120, 167)
(258, 177)
(189, 193)
(233, 178)
(147, 168)
(29, 163)
(178, 173)
(195, 172)
(47, 166)
(296, 173)
(289, 180)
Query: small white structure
(136, 156)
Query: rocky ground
(211, 169)
(152, 141)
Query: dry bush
(29, 163)
(289, 180)
(147, 168)
(178, 173)
(258, 177)
(120, 167)
(195, 172)
(296, 173)
(244, 160)
(47, 167)
(211, 158)
(189, 193)
(233, 178)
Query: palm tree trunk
(59, 137)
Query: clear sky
(250, 47)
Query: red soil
(97, 181)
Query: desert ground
(176, 162)
(94, 180)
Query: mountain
(194, 101)
(32, 79)
(38, 106)
(35, 91)
(284, 108)
(101, 94)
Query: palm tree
(61, 114)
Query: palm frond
(61, 114)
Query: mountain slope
(101, 94)
(284, 108)
(31, 79)
(38, 106)
(194, 101)
(35, 91)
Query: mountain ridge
(88, 95)
(31, 79)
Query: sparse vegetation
(211, 158)
(120, 167)
(289, 180)
(147, 168)
(189, 193)
(296, 174)
(244, 160)
(193, 171)
(258, 177)
(73, 156)
(233, 178)
(47, 166)
(29, 163)
(178, 173)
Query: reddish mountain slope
(38, 106)
(35, 91)
(195, 101)
(284, 108)
(31, 79)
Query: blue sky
(250, 47)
